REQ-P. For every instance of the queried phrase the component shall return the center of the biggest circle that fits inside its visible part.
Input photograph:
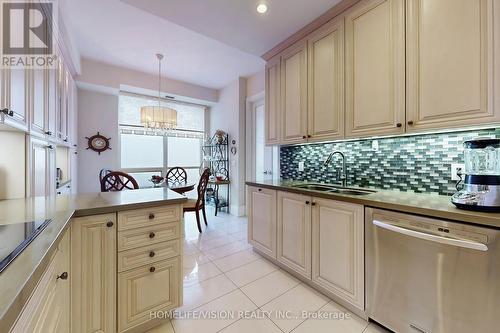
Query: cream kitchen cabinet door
(146, 290)
(48, 309)
(294, 232)
(38, 101)
(326, 82)
(52, 103)
(450, 63)
(42, 168)
(262, 220)
(93, 266)
(294, 94)
(15, 98)
(273, 101)
(338, 249)
(375, 68)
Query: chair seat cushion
(191, 203)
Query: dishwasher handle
(433, 238)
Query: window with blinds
(145, 152)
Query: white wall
(113, 77)
(229, 115)
(97, 111)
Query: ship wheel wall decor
(98, 143)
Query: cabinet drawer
(144, 290)
(147, 255)
(131, 239)
(148, 217)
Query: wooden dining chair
(103, 173)
(118, 181)
(195, 205)
(176, 175)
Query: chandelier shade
(158, 116)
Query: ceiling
(206, 42)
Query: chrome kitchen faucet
(343, 176)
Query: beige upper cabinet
(15, 99)
(338, 249)
(449, 63)
(294, 94)
(38, 101)
(262, 220)
(326, 82)
(93, 266)
(294, 232)
(375, 68)
(273, 101)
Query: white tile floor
(225, 279)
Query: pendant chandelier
(157, 116)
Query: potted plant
(220, 136)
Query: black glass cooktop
(15, 237)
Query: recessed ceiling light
(262, 8)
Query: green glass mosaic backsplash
(420, 163)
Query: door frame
(251, 102)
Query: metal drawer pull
(63, 276)
(152, 269)
(151, 216)
(433, 238)
(152, 254)
(109, 224)
(152, 235)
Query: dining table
(180, 187)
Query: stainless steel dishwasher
(431, 275)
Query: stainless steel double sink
(333, 189)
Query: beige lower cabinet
(294, 232)
(147, 290)
(338, 249)
(149, 265)
(48, 309)
(262, 219)
(318, 239)
(93, 263)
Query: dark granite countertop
(432, 205)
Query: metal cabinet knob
(152, 269)
(152, 235)
(399, 125)
(304, 137)
(63, 276)
(307, 202)
(313, 203)
(151, 216)
(109, 224)
(152, 254)
(260, 190)
(48, 133)
(410, 122)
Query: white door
(263, 154)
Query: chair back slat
(176, 175)
(118, 181)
